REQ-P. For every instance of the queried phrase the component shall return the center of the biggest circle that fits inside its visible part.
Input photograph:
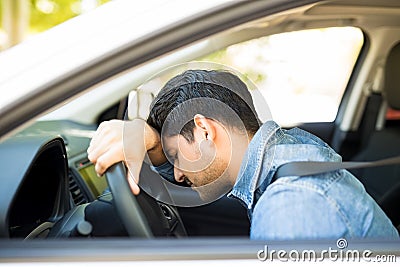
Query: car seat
(383, 183)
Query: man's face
(199, 162)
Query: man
(204, 124)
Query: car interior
(54, 191)
(384, 142)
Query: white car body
(80, 68)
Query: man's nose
(178, 174)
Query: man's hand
(126, 141)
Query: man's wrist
(151, 137)
(154, 146)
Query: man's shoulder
(271, 147)
(320, 183)
(296, 208)
(336, 200)
(305, 188)
(336, 185)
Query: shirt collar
(271, 147)
(252, 166)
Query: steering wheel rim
(126, 204)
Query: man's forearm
(153, 146)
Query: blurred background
(20, 19)
(303, 74)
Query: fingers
(106, 160)
(105, 148)
(102, 147)
(133, 171)
(96, 146)
(133, 183)
(99, 134)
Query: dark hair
(213, 94)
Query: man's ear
(206, 126)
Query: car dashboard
(48, 183)
(46, 174)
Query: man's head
(201, 116)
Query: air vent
(76, 192)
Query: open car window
(301, 74)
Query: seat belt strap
(307, 168)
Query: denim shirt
(330, 205)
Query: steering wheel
(126, 204)
(141, 215)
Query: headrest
(391, 88)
